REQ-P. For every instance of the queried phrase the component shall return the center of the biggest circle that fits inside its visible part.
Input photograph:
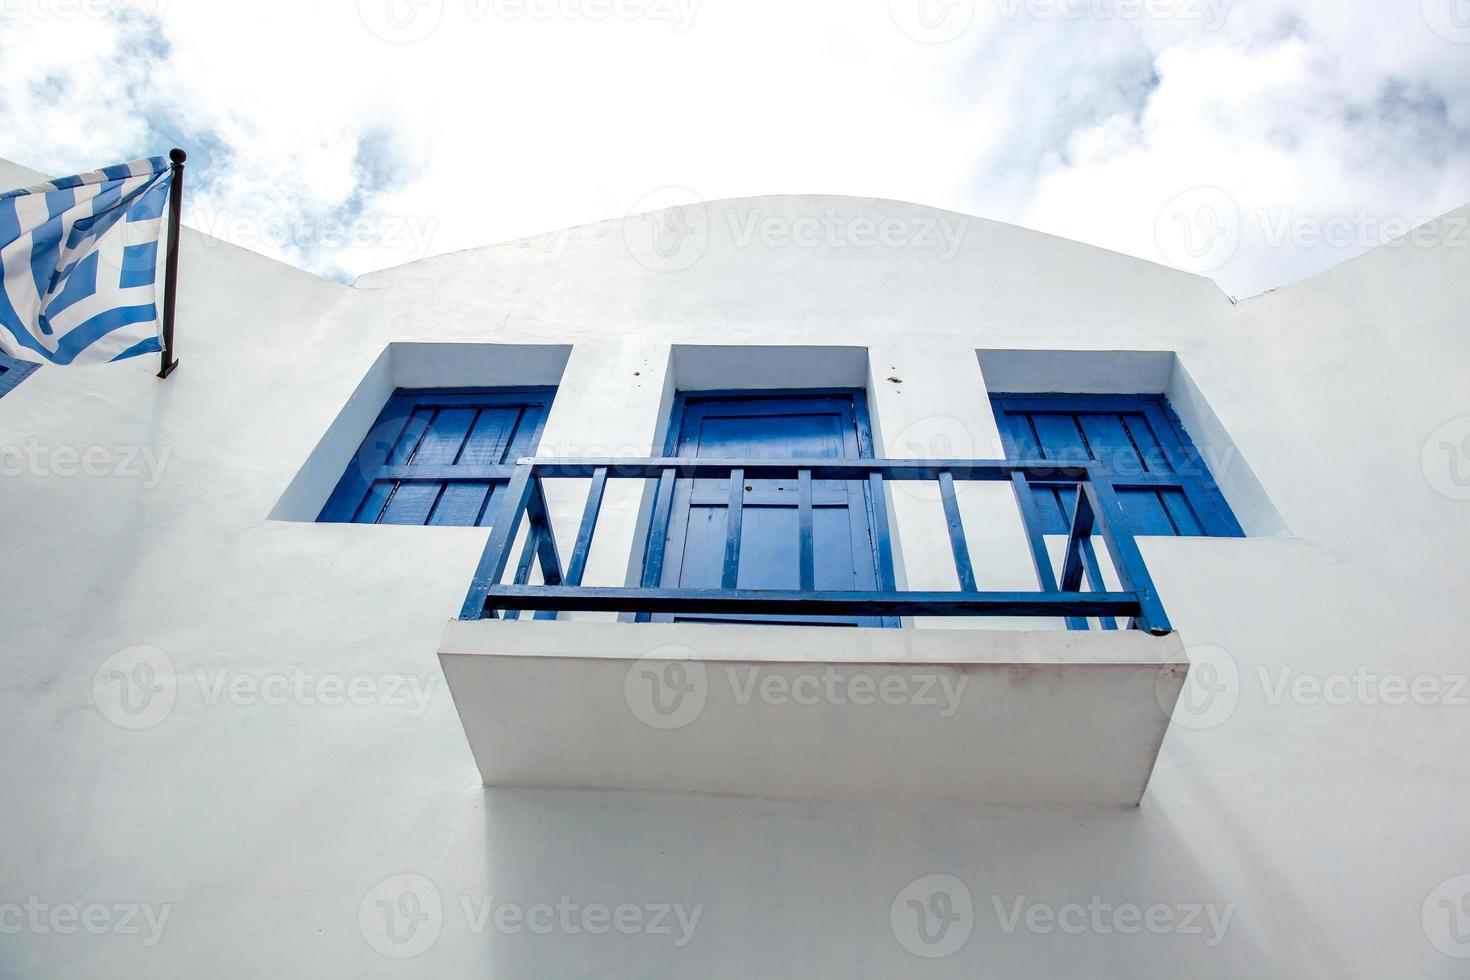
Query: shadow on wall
(743, 888)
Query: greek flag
(80, 262)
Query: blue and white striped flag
(80, 257)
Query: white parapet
(790, 712)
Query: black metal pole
(171, 263)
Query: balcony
(1038, 715)
(1097, 511)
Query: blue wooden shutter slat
(1145, 512)
(414, 430)
(349, 499)
(525, 436)
(445, 437)
(491, 506)
(372, 504)
(1111, 444)
(411, 503)
(460, 505)
(1153, 441)
(1176, 504)
(1018, 435)
(492, 433)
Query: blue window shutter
(13, 372)
(439, 457)
(1139, 443)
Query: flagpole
(171, 263)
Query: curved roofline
(727, 201)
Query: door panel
(785, 426)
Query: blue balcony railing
(1097, 511)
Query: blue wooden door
(439, 458)
(829, 425)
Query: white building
(230, 749)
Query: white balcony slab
(922, 716)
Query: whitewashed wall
(264, 820)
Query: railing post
(1035, 540)
(806, 556)
(540, 514)
(962, 566)
(544, 539)
(583, 548)
(658, 532)
(1127, 559)
(734, 521)
(523, 567)
(1094, 575)
(1080, 530)
(881, 532)
(878, 498)
(502, 535)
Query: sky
(1254, 141)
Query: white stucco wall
(266, 824)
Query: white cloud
(1316, 161)
(315, 140)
